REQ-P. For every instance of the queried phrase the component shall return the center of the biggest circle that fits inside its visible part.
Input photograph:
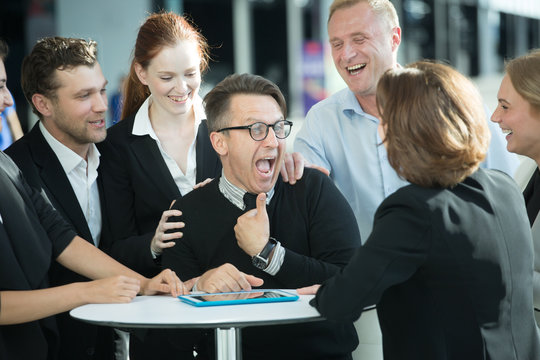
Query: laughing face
(363, 47)
(173, 77)
(251, 165)
(518, 120)
(76, 115)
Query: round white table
(169, 312)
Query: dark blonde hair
(382, 8)
(164, 29)
(524, 73)
(436, 130)
(38, 73)
(217, 101)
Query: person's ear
(43, 104)
(141, 73)
(219, 143)
(396, 38)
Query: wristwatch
(261, 259)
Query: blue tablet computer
(240, 297)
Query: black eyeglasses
(259, 130)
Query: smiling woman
(160, 149)
(518, 115)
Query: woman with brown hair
(449, 260)
(518, 115)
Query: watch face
(259, 262)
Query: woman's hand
(161, 240)
(117, 289)
(166, 282)
(308, 290)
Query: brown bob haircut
(217, 101)
(436, 129)
(38, 74)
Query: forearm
(89, 261)
(23, 306)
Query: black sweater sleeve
(331, 232)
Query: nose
(349, 51)
(100, 103)
(495, 116)
(7, 100)
(271, 139)
(181, 84)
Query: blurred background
(283, 40)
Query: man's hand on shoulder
(293, 166)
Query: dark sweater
(316, 226)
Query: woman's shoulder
(121, 129)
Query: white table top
(169, 312)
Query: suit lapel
(152, 163)
(57, 186)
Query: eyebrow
(91, 89)
(358, 33)
(253, 120)
(502, 100)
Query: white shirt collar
(235, 194)
(68, 158)
(142, 125)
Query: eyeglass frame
(248, 127)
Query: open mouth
(179, 99)
(507, 131)
(266, 165)
(355, 69)
(98, 123)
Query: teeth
(507, 131)
(179, 98)
(355, 69)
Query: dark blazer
(451, 273)
(139, 187)
(43, 171)
(32, 235)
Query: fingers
(287, 168)
(161, 239)
(202, 183)
(299, 164)
(253, 280)
(324, 170)
(261, 204)
(188, 285)
(308, 290)
(225, 278)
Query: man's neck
(66, 140)
(368, 104)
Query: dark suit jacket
(450, 271)
(43, 171)
(32, 235)
(139, 187)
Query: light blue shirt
(340, 136)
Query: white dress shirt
(82, 176)
(142, 126)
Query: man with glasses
(312, 232)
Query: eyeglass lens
(259, 130)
